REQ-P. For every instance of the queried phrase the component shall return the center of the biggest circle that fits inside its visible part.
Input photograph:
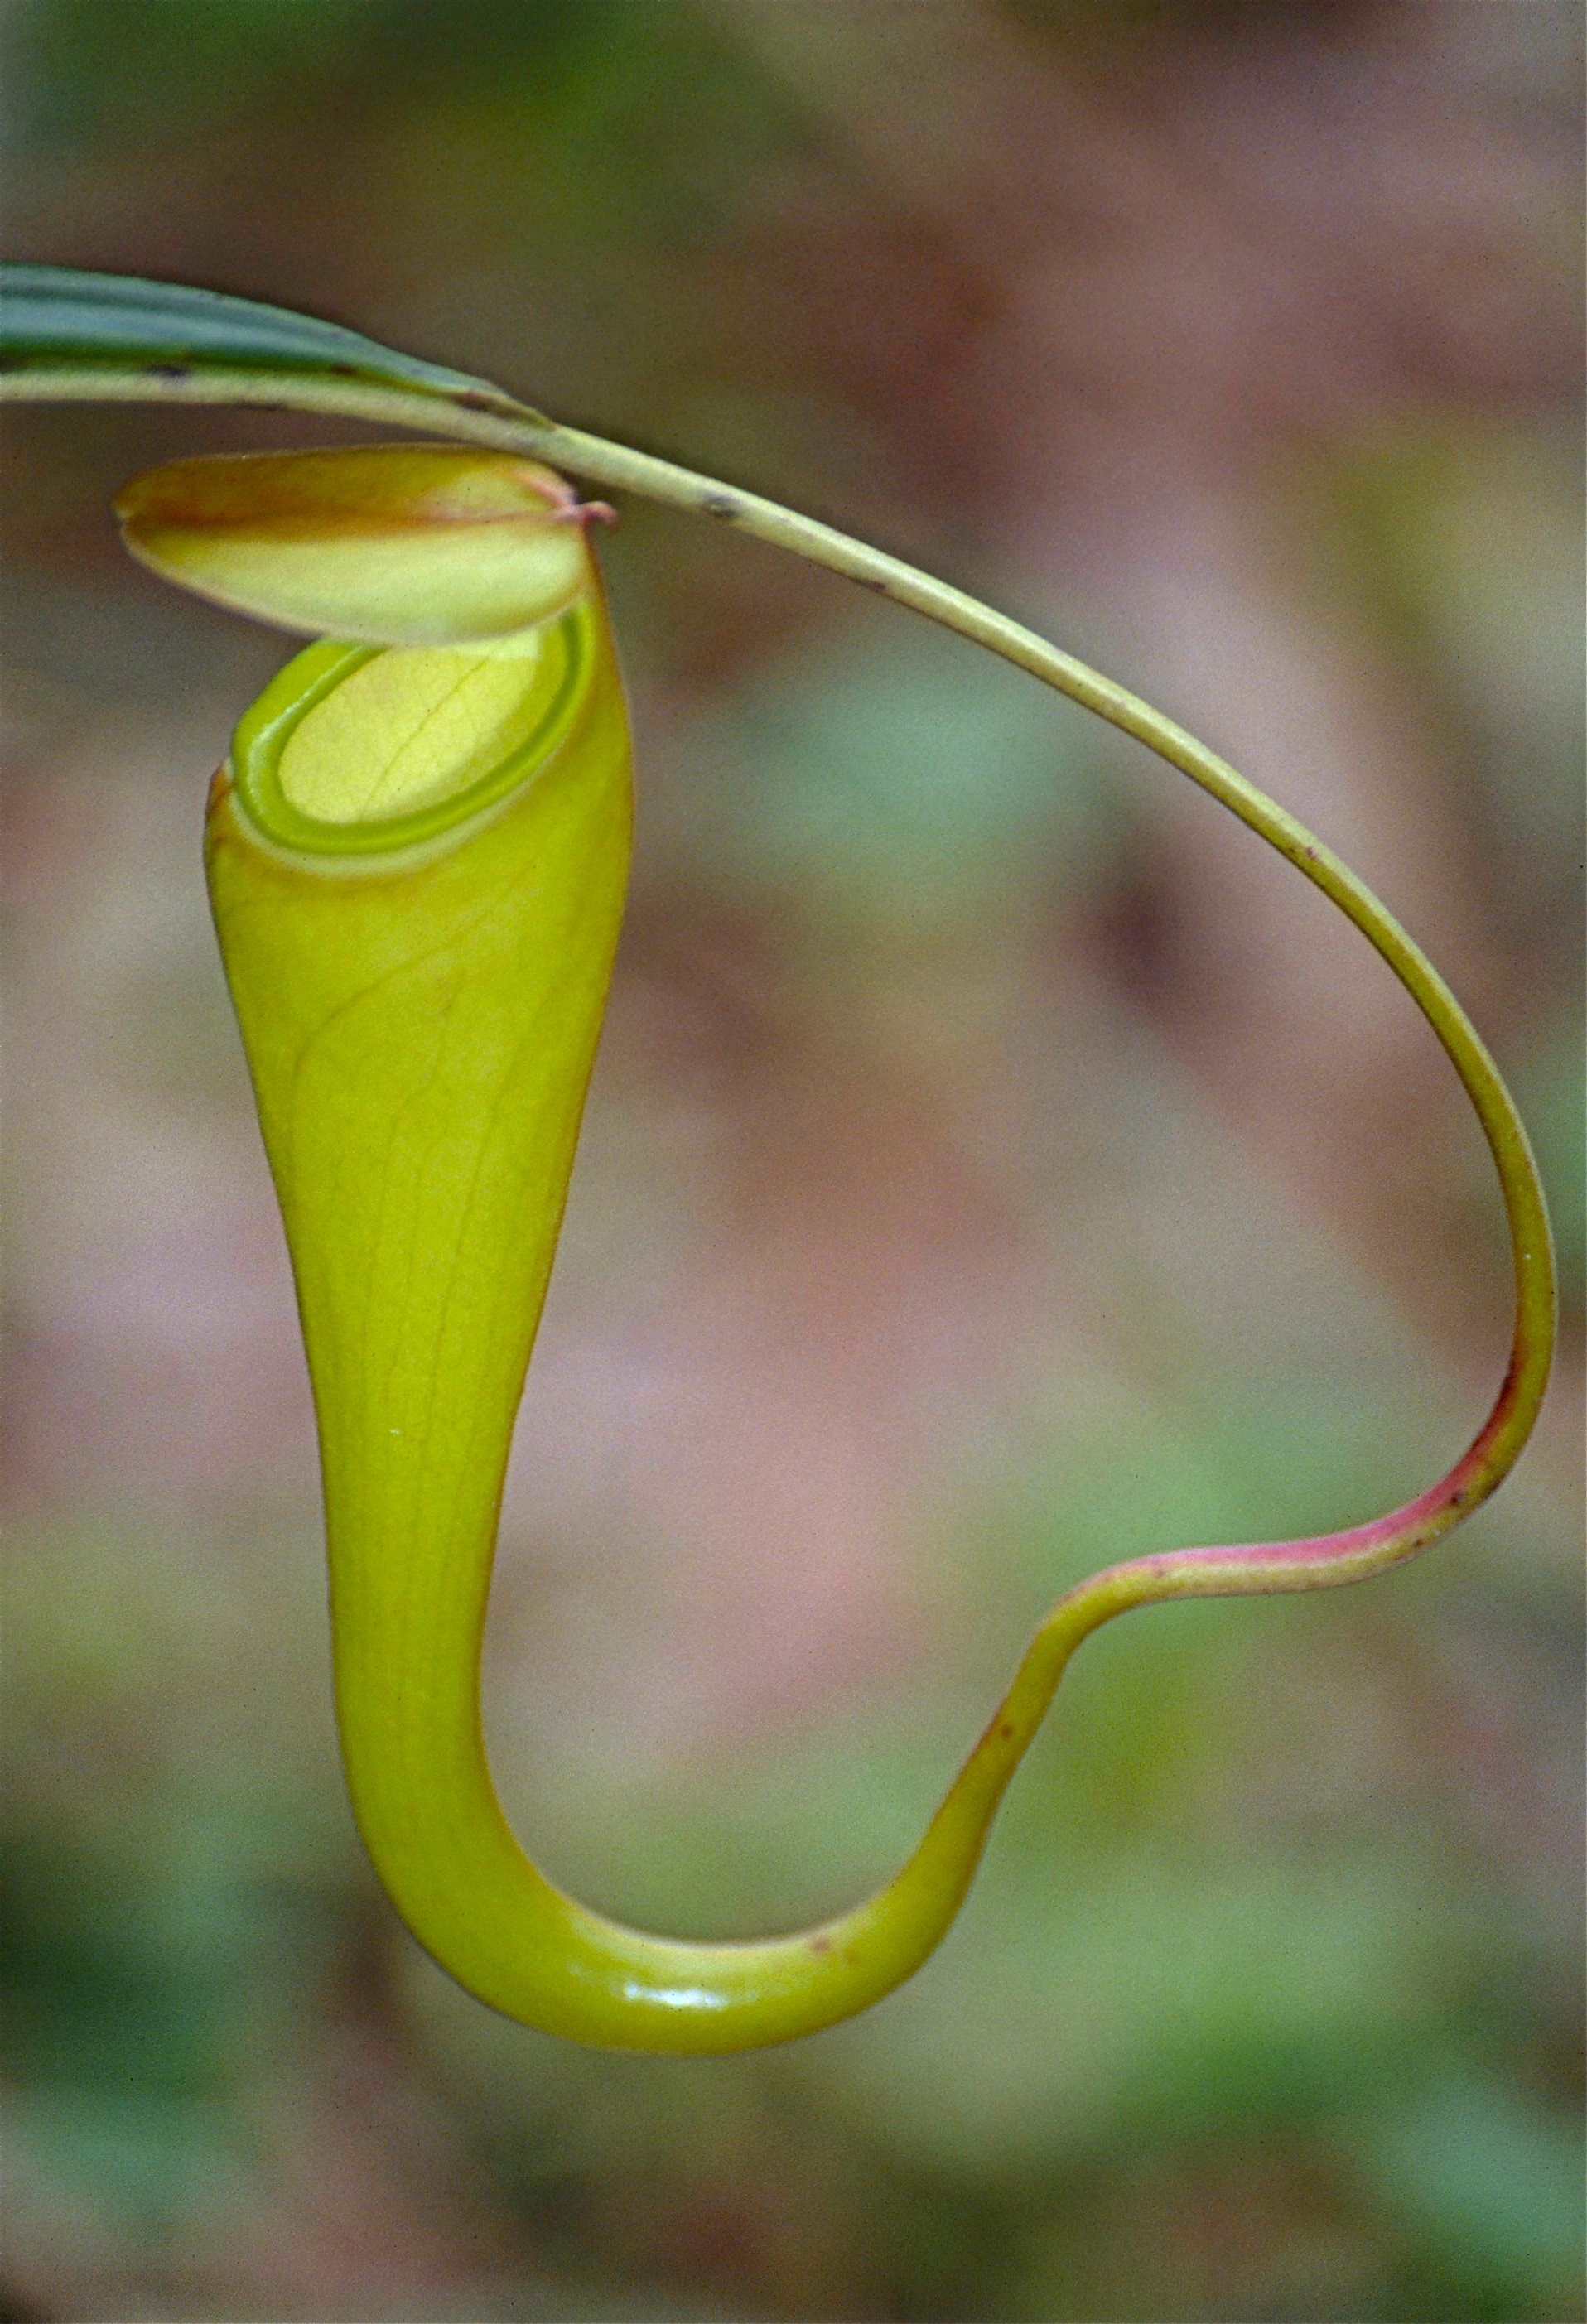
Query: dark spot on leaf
(174, 372)
(821, 1944)
(718, 504)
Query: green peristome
(352, 751)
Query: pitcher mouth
(360, 750)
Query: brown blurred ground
(996, 1165)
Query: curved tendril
(479, 1904)
(1325, 1560)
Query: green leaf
(56, 321)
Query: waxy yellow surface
(420, 1022)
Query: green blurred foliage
(916, 776)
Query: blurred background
(997, 1165)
